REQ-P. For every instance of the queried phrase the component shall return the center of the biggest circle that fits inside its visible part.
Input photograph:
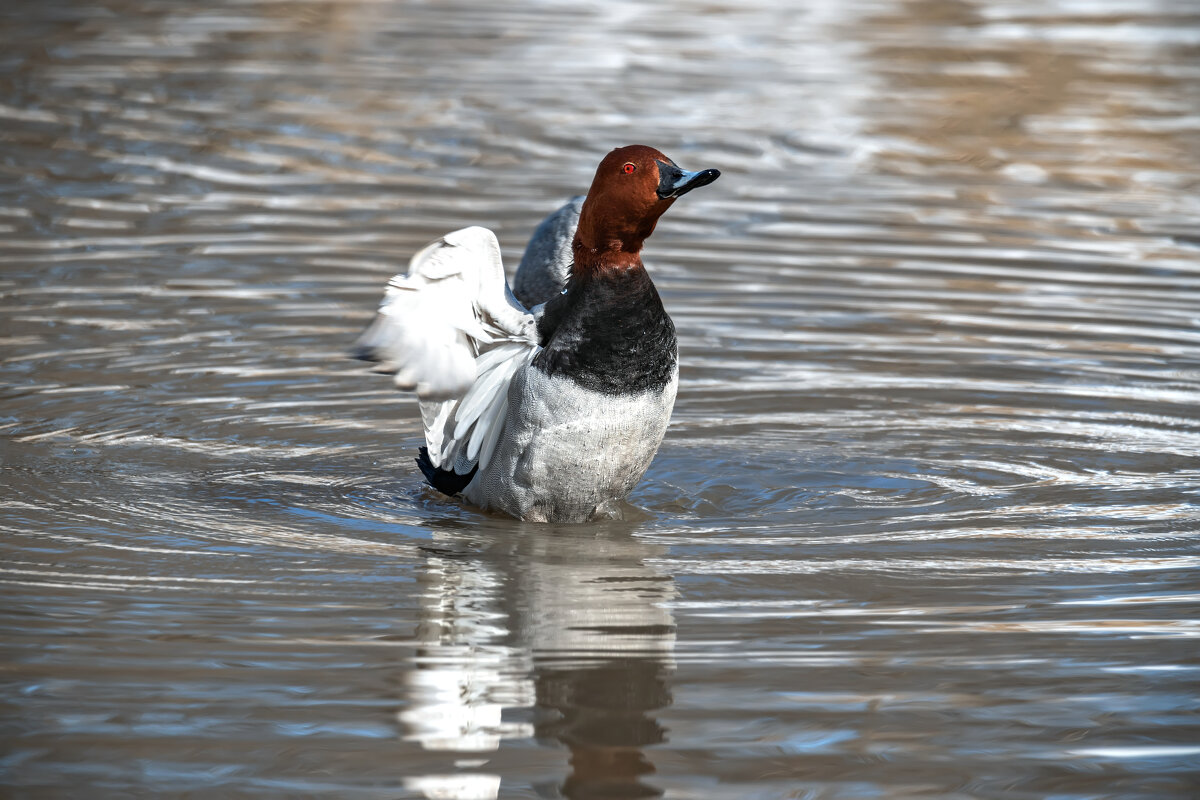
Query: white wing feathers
(452, 330)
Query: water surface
(924, 524)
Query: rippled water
(925, 522)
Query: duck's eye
(629, 168)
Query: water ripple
(924, 523)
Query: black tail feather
(366, 346)
(362, 352)
(445, 481)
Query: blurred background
(925, 522)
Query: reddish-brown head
(633, 186)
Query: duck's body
(570, 453)
(552, 414)
(593, 404)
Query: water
(924, 524)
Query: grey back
(546, 265)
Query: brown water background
(925, 522)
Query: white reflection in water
(463, 677)
(456, 787)
(577, 630)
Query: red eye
(629, 169)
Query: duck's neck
(609, 331)
(610, 235)
(592, 262)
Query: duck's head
(633, 186)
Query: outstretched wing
(452, 330)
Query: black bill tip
(674, 182)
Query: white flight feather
(435, 416)
(451, 329)
(489, 415)
(491, 423)
(491, 374)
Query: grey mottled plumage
(570, 453)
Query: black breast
(609, 333)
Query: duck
(546, 400)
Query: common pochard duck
(549, 407)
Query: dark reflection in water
(605, 724)
(925, 521)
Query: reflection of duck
(553, 413)
(462, 694)
(575, 627)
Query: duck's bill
(673, 181)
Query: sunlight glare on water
(925, 520)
